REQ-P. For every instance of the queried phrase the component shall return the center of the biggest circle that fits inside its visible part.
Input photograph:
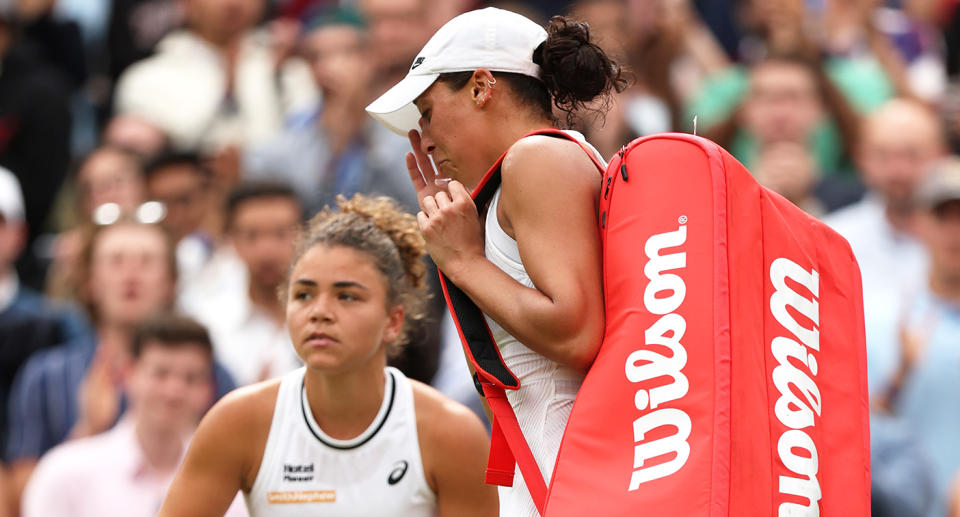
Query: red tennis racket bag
(732, 377)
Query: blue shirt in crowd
(929, 403)
(43, 404)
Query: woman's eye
(347, 297)
(301, 295)
(426, 115)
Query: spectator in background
(218, 83)
(898, 144)
(789, 98)
(901, 481)
(788, 169)
(794, 123)
(28, 322)
(181, 183)
(924, 389)
(106, 175)
(128, 272)
(336, 148)
(249, 330)
(34, 133)
(127, 470)
(398, 30)
(50, 39)
(135, 28)
(669, 49)
(862, 61)
(109, 175)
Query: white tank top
(306, 472)
(547, 389)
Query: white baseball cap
(941, 185)
(491, 38)
(11, 197)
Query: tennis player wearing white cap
(533, 264)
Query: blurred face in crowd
(263, 232)
(340, 60)
(782, 103)
(223, 20)
(940, 230)
(171, 385)
(899, 143)
(130, 274)
(788, 169)
(182, 187)
(109, 176)
(12, 239)
(608, 22)
(398, 30)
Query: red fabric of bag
(732, 377)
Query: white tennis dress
(306, 472)
(547, 389)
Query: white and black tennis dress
(378, 473)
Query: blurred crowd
(158, 157)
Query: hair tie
(538, 54)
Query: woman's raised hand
(422, 174)
(451, 227)
(448, 217)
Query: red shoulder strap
(507, 444)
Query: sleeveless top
(306, 472)
(547, 389)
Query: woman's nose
(427, 145)
(320, 310)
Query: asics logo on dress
(399, 469)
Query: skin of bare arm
(454, 447)
(224, 456)
(548, 204)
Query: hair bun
(574, 69)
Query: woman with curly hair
(345, 434)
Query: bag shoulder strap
(492, 376)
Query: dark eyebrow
(343, 284)
(346, 283)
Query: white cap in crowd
(941, 185)
(11, 197)
(491, 38)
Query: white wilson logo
(663, 295)
(799, 403)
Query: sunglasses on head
(151, 212)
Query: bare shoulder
(453, 447)
(551, 172)
(248, 405)
(225, 453)
(239, 424)
(543, 154)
